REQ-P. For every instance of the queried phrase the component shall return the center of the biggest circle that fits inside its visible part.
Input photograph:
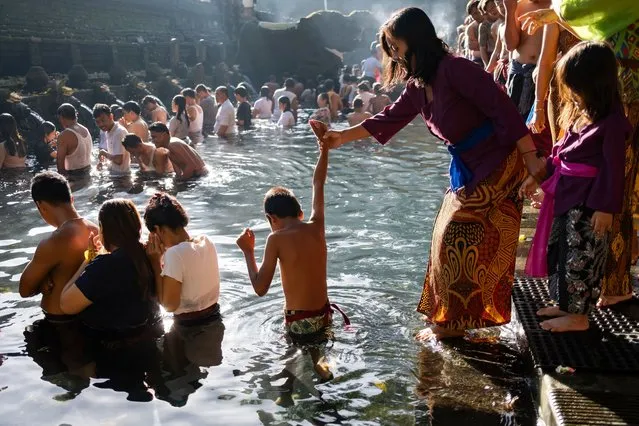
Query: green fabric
(597, 19)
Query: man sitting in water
(186, 162)
(209, 108)
(111, 135)
(155, 108)
(57, 257)
(225, 120)
(74, 143)
(359, 115)
(150, 158)
(133, 122)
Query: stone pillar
(174, 52)
(76, 56)
(35, 57)
(200, 51)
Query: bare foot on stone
(605, 301)
(551, 311)
(566, 323)
(436, 332)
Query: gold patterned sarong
(471, 269)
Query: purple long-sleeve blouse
(464, 97)
(602, 145)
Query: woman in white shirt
(186, 269)
(287, 119)
(180, 123)
(263, 107)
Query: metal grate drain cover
(611, 344)
(594, 408)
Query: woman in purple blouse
(472, 259)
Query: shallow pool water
(381, 203)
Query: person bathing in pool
(300, 248)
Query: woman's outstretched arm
(337, 138)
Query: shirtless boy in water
(300, 248)
(57, 257)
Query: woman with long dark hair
(115, 291)
(13, 149)
(472, 258)
(180, 122)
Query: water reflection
(380, 206)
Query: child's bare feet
(566, 323)
(551, 311)
(605, 301)
(436, 332)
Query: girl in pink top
(585, 187)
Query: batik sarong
(576, 261)
(617, 280)
(470, 273)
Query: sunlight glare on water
(381, 204)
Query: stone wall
(97, 34)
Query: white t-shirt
(113, 142)
(276, 96)
(366, 98)
(225, 117)
(287, 119)
(194, 264)
(264, 108)
(369, 66)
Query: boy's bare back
(302, 255)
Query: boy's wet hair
(281, 202)
(101, 109)
(358, 103)
(51, 187)
(132, 106)
(165, 210)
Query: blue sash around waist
(460, 175)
